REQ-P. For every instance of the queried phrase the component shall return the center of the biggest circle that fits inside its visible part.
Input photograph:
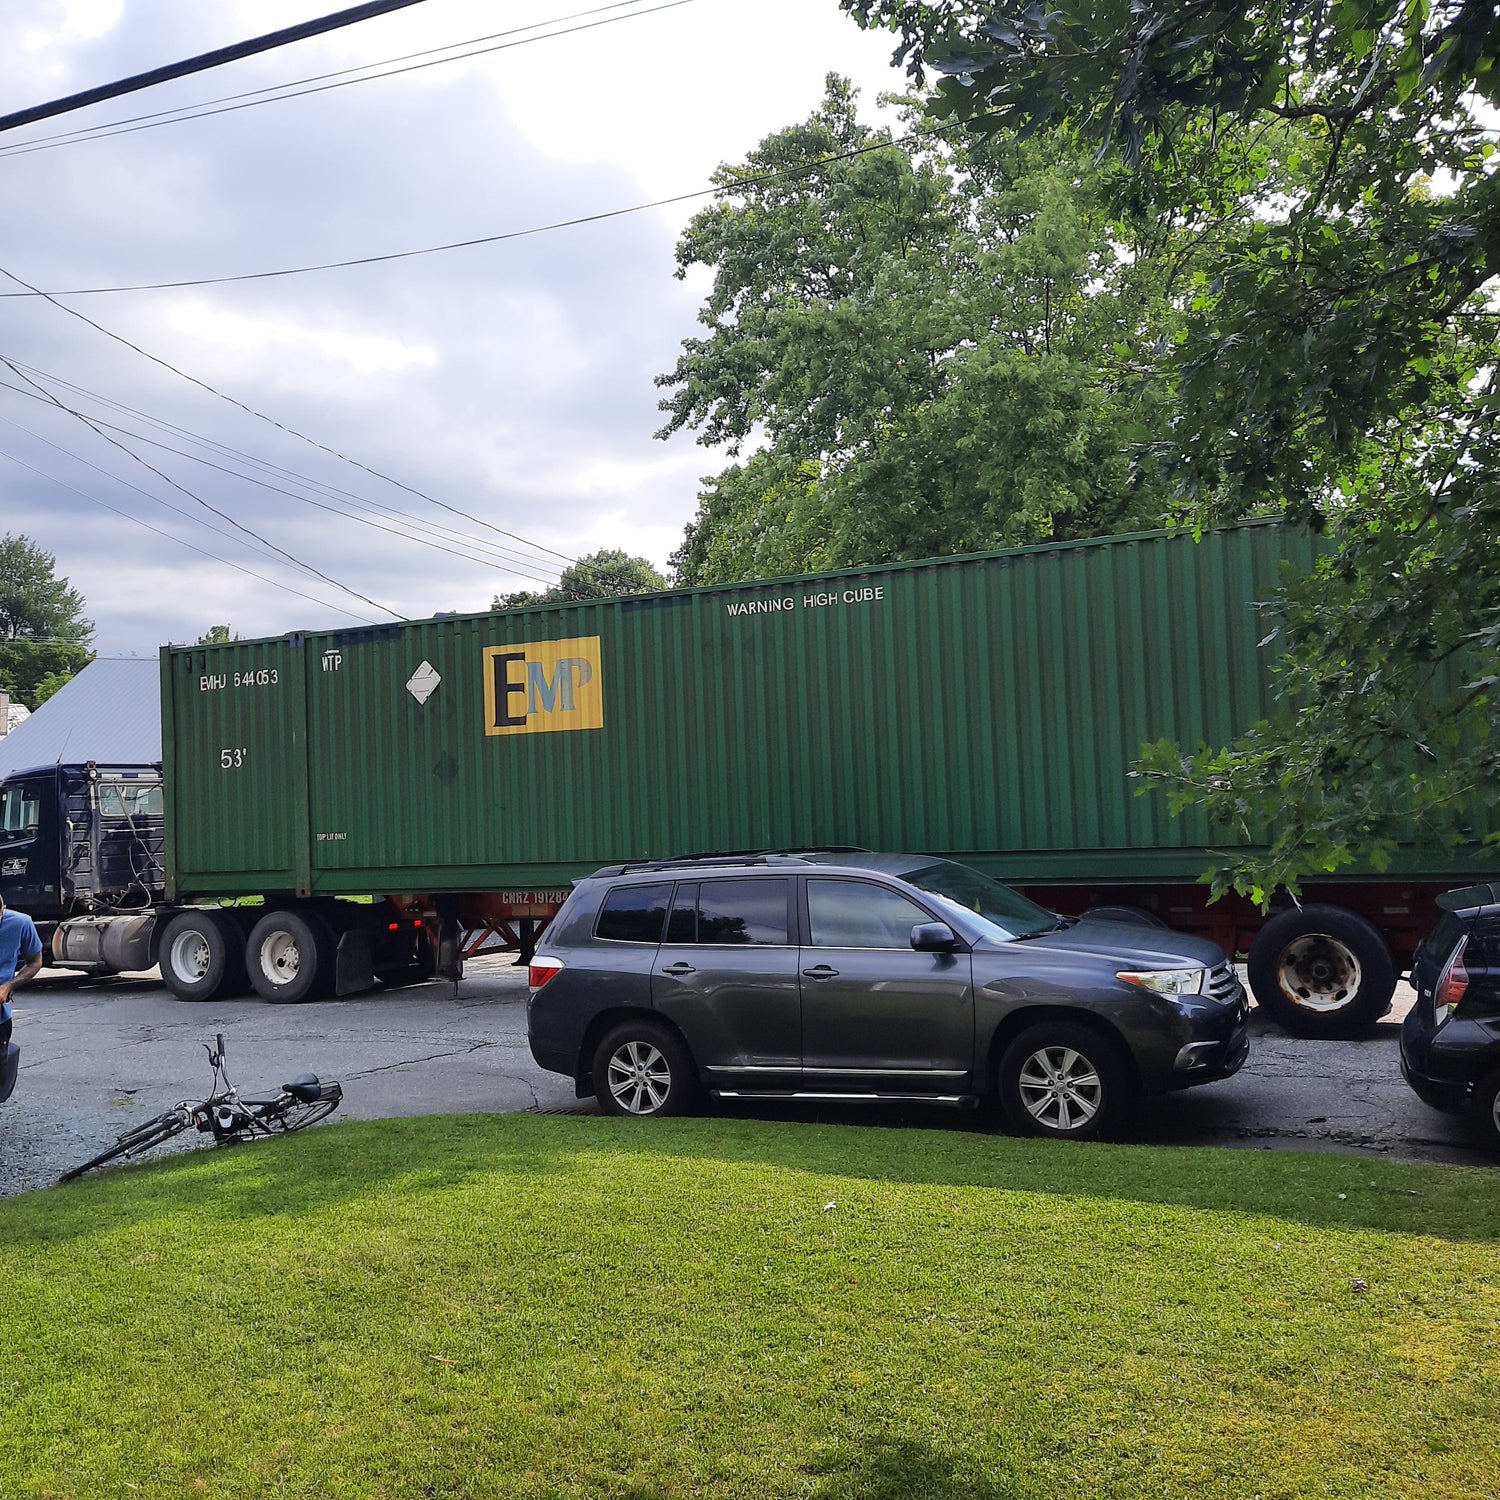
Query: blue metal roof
(109, 713)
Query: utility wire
(738, 185)
(197, 499)
(203, 61)
(73, 312)
(275, 93)
(202, 552)
(188, 515)
(506, 567)
(88, 463)
(500, 558)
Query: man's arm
(28, 970)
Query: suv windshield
(1007, 913)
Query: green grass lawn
(524, 1306)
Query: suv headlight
(1170, 982)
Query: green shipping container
(989, 707)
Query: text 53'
(233, 759)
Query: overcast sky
(511, 381)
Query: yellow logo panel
(541, 687)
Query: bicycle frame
(226, 1114)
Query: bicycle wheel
(286, 1113)
(142, 1138)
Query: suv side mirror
(934, 937)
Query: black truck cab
(82, 840)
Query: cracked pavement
(98, 1056)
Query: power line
(198, 499)
(502, 559)
(203, 61)
(759, 179)
(506, 566)
(73, 312)
(275, 93)
(202, 552)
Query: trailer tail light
(542, 971)
(1451, 987)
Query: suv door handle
(678, 969)
(823, 971)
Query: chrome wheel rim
(280, 958)
(190, 956)
(640, 1078)
(1061, 1088)
(1318, 972)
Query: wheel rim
(191, 956)
(640, 1078)
(1061, 1088)
(1318, 972)
(280, 958)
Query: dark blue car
(1450, 1040)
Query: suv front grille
(1223, 985)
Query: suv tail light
(1451, 987)
(542, 971)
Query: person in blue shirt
(20, 950)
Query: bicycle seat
(306, 1088)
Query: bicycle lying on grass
(231, 1118)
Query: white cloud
(77, 18)
(367, 355)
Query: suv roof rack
(728, 857)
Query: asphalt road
(99, 1056)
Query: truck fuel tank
(104, 945)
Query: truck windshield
(20, 809)
(1008, 913)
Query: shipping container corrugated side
(989, 707)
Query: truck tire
(291, 957)
(1321, 971)
(202, 955)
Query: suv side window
(743, 911)
(634, 913)
(855, 914)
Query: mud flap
(355, 968)
(450, 949)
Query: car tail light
(1451, 987)
(542, 971)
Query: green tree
(44, 637)
(1335, 163)
(931, 341)
(606, 574)
(216, 635)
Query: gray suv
(854, 976)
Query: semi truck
(351, 806)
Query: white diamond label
(423, 682)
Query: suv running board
(956, 1101)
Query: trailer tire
(291, 957)
(202, 955)
(1321, 971)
